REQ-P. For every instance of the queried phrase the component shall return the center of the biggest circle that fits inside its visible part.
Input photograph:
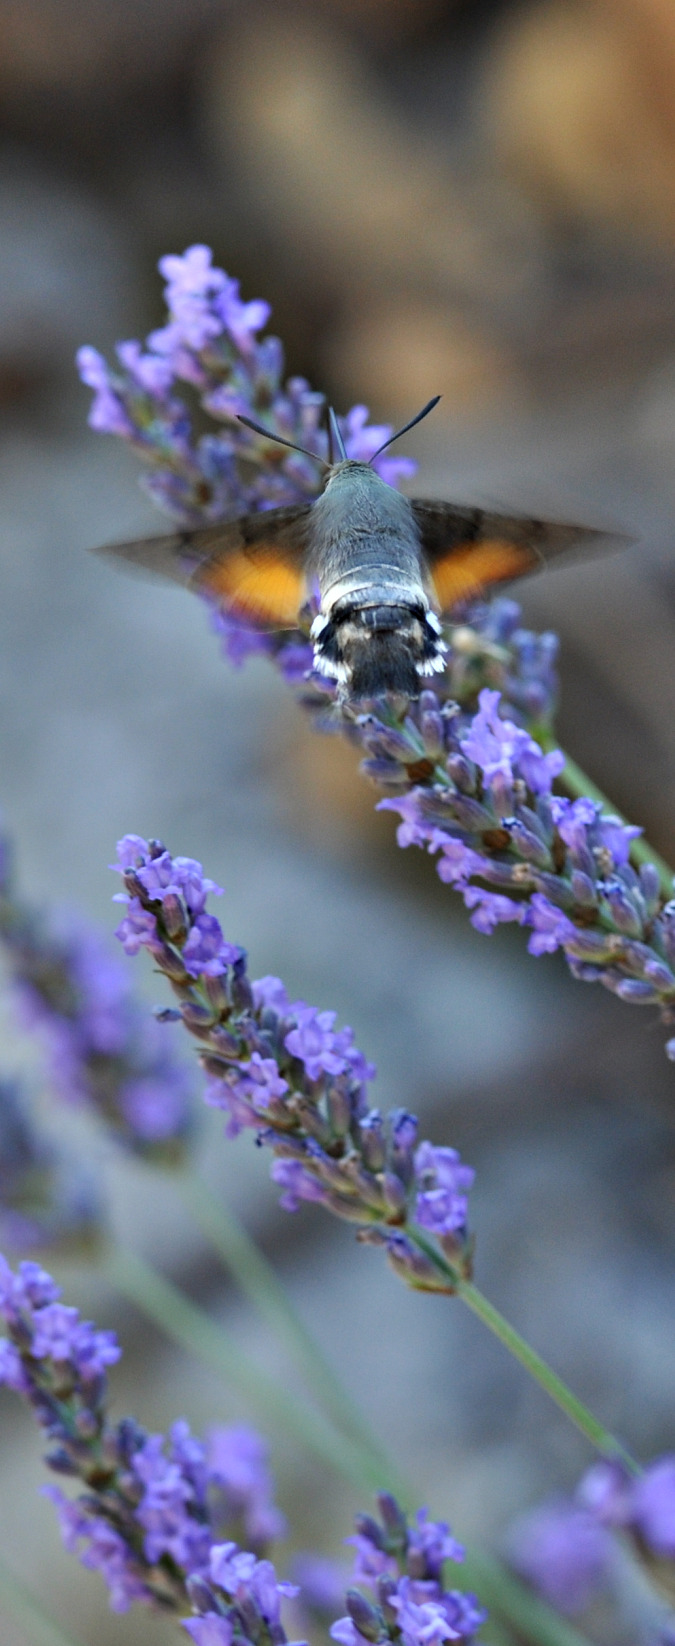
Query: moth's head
(349, 468)
(339, 464)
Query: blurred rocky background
(470, 197)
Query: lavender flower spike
(285, 1070)
(477, 793)
(158, 1514)
(154, 1508)
(402, 1566)
(210, 345)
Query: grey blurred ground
(120, 715)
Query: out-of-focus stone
(70, 49)
(364, 201)
(581, 106)
(65, 273)
(395, 353)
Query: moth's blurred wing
(469, 551)
(254, 565)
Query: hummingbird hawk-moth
(385, 568)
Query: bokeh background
(470, 197)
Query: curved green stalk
(41, 1630)
(569, 1403)
(258, 1280)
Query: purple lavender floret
(443, 1183)
(563, 1552)
(286, 1071)
(103, 1050)
(402, 1566)
(210, 345)
(643, 1505)
(154, 1508)
(240, 1603)
(570, 1552)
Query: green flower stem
(258, 1280)
(548, 1380)
(578, 785)
(41, 1630)
(190, 1327)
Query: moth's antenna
(424, 413)
(258, 429)
(335, 440)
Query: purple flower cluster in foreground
(402, 1566)
(47, 1196)
(569, 1551)
(155, 1510)
(103, 1049)
(285, 1070)
(210, 345)
(159, 1515)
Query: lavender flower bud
(468, 813)
(339, 1111)
(217, 992)
(528, 844)
(432, 729)
(501, 792)
(393, 1520)
(394, 1197)
(404, 1129)
(462, 773)
(583, 890)
(388, 774)
(623, 910)
(385, 742)
(372, 1141)
(363, 1615)
(173, 915)
(413, 1266)
(201, 1595)
(368, 1529)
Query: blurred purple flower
(563, 1552)
(238, 1464)
(652, 1504)
(102, 1047)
